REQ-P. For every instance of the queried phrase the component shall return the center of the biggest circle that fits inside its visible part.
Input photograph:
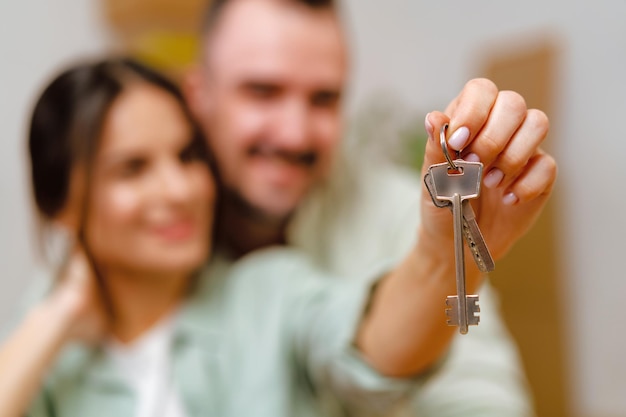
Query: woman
(130, 329)
(117, 162)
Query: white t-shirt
(146, 367)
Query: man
(268, 95)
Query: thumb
(433, 154)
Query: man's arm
(405, 331)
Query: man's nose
(293, 126)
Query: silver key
(471, 232)
(458, 181)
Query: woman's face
(152, 200)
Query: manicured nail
(472, 158)
(510, 199)
(459, 138)
(429, 127)
(493, 178)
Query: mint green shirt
(266, 337)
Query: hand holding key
(404, 333)
(495, 128)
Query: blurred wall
(423, 52)
(36, 38)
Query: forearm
(27, 354)
(405, 331)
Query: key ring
(444, 147)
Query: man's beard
(236, 201)
(306, 159)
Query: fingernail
(472, 158)
(510, 199)
(429, 127)
(459, 138)
(493, 178)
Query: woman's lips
(176, 231)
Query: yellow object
(165, 50)
(161, 33)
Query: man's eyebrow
(261, 86)
(260, 82)
(329, 91)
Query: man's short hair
(216, 7)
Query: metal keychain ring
(444, 146)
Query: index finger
(471, 108)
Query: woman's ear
(196, 91)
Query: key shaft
(459, 255)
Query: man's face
(273, 79)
